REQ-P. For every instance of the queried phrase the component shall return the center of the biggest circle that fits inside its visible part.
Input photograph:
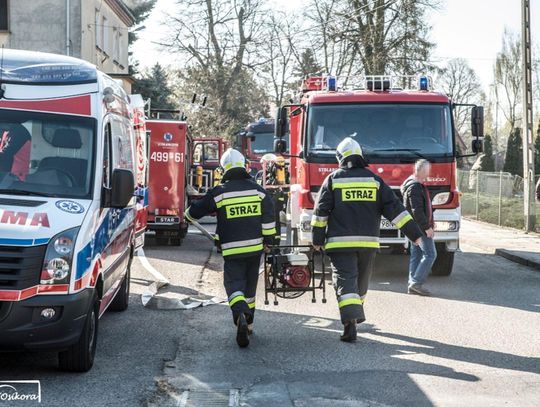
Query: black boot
(349, 332)
(242, 337)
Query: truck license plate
(167, 219)
(386, 224)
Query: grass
(488, 211)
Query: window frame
(8, 14)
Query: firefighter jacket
(245, 216)
(348, 211)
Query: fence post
(500, 197)
(477, 193)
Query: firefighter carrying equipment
(346, 220)
(232, 159)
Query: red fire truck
(204, 173)
(255, 141)
(395, 128)
(169, 153)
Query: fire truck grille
(20, 267)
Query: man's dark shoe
(349, 332)
(417, 289)
(242, 336)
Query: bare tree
(458, 80)
(217, 37)
(507, 73)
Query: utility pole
(527, 122)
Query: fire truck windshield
(46, 154)
(263, 143)
(385, 131)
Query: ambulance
(67, 203)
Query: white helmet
(347, 148)
(232, 159)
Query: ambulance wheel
(79, 357)
(121, 300)
(445, 262)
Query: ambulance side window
(122, 145)
(107, 153)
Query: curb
(509, 255)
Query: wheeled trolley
(289, 273)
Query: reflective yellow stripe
(403, 221)
(188, 216)
(269, 232)
(236, 299)
(319, 224)
(242, 199)
(355, 185)
(251, 305)
(350, 301)
(241, 250)
(343, 245)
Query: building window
(116, 45)
(105, 35)
(4, 14)
(97, 29)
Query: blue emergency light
(423, 83)
(331, 83)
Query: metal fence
(494, 197)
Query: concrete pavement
(512, 244)
(474, 343)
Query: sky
(469, 29)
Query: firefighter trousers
(351, 272)
(240, 280)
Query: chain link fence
(493, 197)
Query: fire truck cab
(395, 127)
(204, 173)
(256, 140)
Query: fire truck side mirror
(282, 123)
(478, 146)
(280, 145)
(477, 122)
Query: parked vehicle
(169, 149)
(395, 127)
(67, 205)
(256, 140)
(205, 170)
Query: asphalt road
(476, 342)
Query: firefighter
(346, 221)
(245, 226)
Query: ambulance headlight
(58, 259)
(441, 198)
(446, 226)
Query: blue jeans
(422, 259)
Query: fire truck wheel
(161, 240)
(79, 357)
(121, 300)
(444, 263)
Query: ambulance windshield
(46, 154)
(385, 131)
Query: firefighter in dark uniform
(346, 222)
(245, 225)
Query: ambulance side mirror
(122, 188)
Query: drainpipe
(68, 28)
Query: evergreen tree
(307, 65)
(140, 9)
(513, 162)
(155, 86)
(488, 163)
